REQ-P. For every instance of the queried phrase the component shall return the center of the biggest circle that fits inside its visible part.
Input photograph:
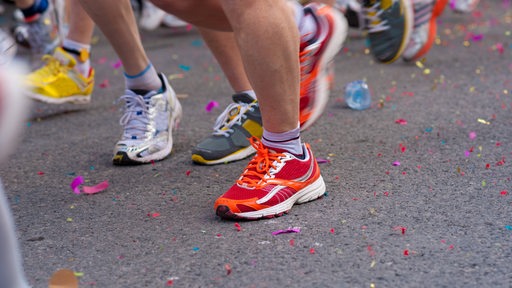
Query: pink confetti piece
(96, 188)
(500, 48)
(452, 4)
(238, 227)
(102, 60)
(75, 184)
(477, 37)
(401, 121)
(322, 160)
(504, 193)
(117, 64)
(105, 84)
(406, 252)
(79, 180)
(401, 228)
(228, 269)
(396, 163)
(312, 251)
(285, 231)
(472, 135)
(211, 105)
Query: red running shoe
(271, 184)
(316, 59)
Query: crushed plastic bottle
(357, 95)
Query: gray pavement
(442, 218)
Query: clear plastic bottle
(357, 95)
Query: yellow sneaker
(59, 82)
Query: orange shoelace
(259, 167)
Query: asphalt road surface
(418, 186)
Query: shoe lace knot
(372, 15)
(233, 114)
(262, 166)
(136, 116)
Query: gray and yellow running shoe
(230, 138)
(389, 24)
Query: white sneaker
(463, 6)
(151, 17)
(172, 21)
(148, 122)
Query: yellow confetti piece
(372, 285)
(69, 219)
(472, 89)
(483, 121)
(426, 71)
(175, 76)
(466, 44)
(373, 264)
(79, 274)
(484, 183)
(419, 64)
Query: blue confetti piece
(429, 129)
(197, 43)
(195, 249)
(508, 227)
(184, 67)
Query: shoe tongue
(243, 98)
(64, 58)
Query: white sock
(289, 140)
(82, 67)
(147, 79)
(250, 93)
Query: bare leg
(81, 25)
(279, 102)
(122, 33)
(225, 50)
(277, 82)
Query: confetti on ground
(228, 269)
(211, 105)
(79, 180)
(285, 231)
(401, 121)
